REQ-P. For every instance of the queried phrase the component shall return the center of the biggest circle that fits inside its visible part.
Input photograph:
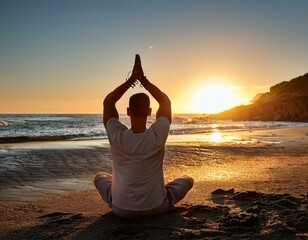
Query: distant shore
(47, 192)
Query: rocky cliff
(286, 101)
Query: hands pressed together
(137, 74)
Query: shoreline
(265, 135)
(36, 168)
(271, 177)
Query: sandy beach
(248, 185)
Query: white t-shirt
(138, 179)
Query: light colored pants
(176, 190)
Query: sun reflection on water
(216, 137)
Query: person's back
(137, 187)
(137, 165)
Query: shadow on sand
(185, 222)
(233, 215)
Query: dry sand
(47, 193)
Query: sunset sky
(65, 56)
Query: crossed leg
(176, 191)
(102, 182)
(178, 188)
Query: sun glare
(213, 99)
(216, 137)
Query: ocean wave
(20, 139)
(190, 119)
(29, 128)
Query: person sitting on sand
(136, 188)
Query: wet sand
(46, 189)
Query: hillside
(286, 101)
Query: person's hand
(137, 70)
(134, 76)
(137, 73)
(139, 67)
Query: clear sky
(64, 56)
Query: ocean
(16, 128)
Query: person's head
(139, 105)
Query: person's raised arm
(162, 99)
(110, 110)
(110, 100)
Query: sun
(213, 98)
